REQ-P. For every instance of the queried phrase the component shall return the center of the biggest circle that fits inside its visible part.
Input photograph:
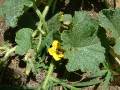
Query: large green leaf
(24, 40)
(12, 9)
(82, 47)
(110, 21)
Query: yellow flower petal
(61, 55)
(56, 57)
(56, 51)
(51, 51)
(56, 44)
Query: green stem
(41, 22)
(41, 17)
(50, 71)
(9, 53)
(39, 43)
(3, 48)
(45, 11)
(63, 83)
(40, 28)
(34, 33)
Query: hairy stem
(9, 53)
(42, 22)
(50, 71)
(41, 17)
(39, 43)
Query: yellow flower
(56, 45)
(56, 51)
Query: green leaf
(12, 9)
(82, 47)
(99, 74)
(24, 40)
(110, 20)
